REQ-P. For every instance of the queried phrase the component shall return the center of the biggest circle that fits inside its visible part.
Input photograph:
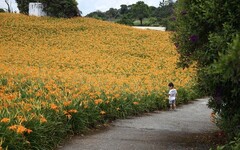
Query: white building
(36, 9)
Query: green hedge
(207, 34)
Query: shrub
(226, 99)
(57, 8)
(206, 35)
(126, 20)
(2, 10)
(232, 145)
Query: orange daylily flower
(67, 103)
(60, 69)
(98, 101)
(19, 129)
(43, 119)
(53, 106)
(135, 103)
(102, 112)
(73, 111)
(5, 120)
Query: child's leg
(174, 105)
(171, 104)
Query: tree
(112, 14)
(23, 5)
(54, 8)
(124, 9)
(165, 15)
(61, 8)
(126, 19)
(2, 10)
(206, 36)
(97, 15)
(152, 11)
(8, 5)
(166, 2)
(165, 11)
(140, 10)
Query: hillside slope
(63, 76)
(98, 51)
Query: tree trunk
(141, 21)
(9, 9)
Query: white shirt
(172, 94)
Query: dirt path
(185, 128)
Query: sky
(87, 6)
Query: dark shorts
(172, 102)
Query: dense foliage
(225, 102)
(61, 8)
(147, 15)
(165, 16)
(59, 77)
(54, 8)
(2, 10)
(206, 34)
(127, 14)
(140, 10)
(23, 5)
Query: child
(172, 96)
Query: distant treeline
(139, 14)
(56, 8)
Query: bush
(152, 20)
(169, 23)
(226, 101)
(126, 20)
(232, 145)
(2, 10)
(204, 30)
(58, 8)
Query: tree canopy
(124, 9)
(97, 15)
(207, 35)
(112, 13)
(147, 15)
(23, 5)
(2, 10)
(140, 10)
(54, 8)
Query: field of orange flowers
(64, 76)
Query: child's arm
(168, 93)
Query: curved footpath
(186, 128)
